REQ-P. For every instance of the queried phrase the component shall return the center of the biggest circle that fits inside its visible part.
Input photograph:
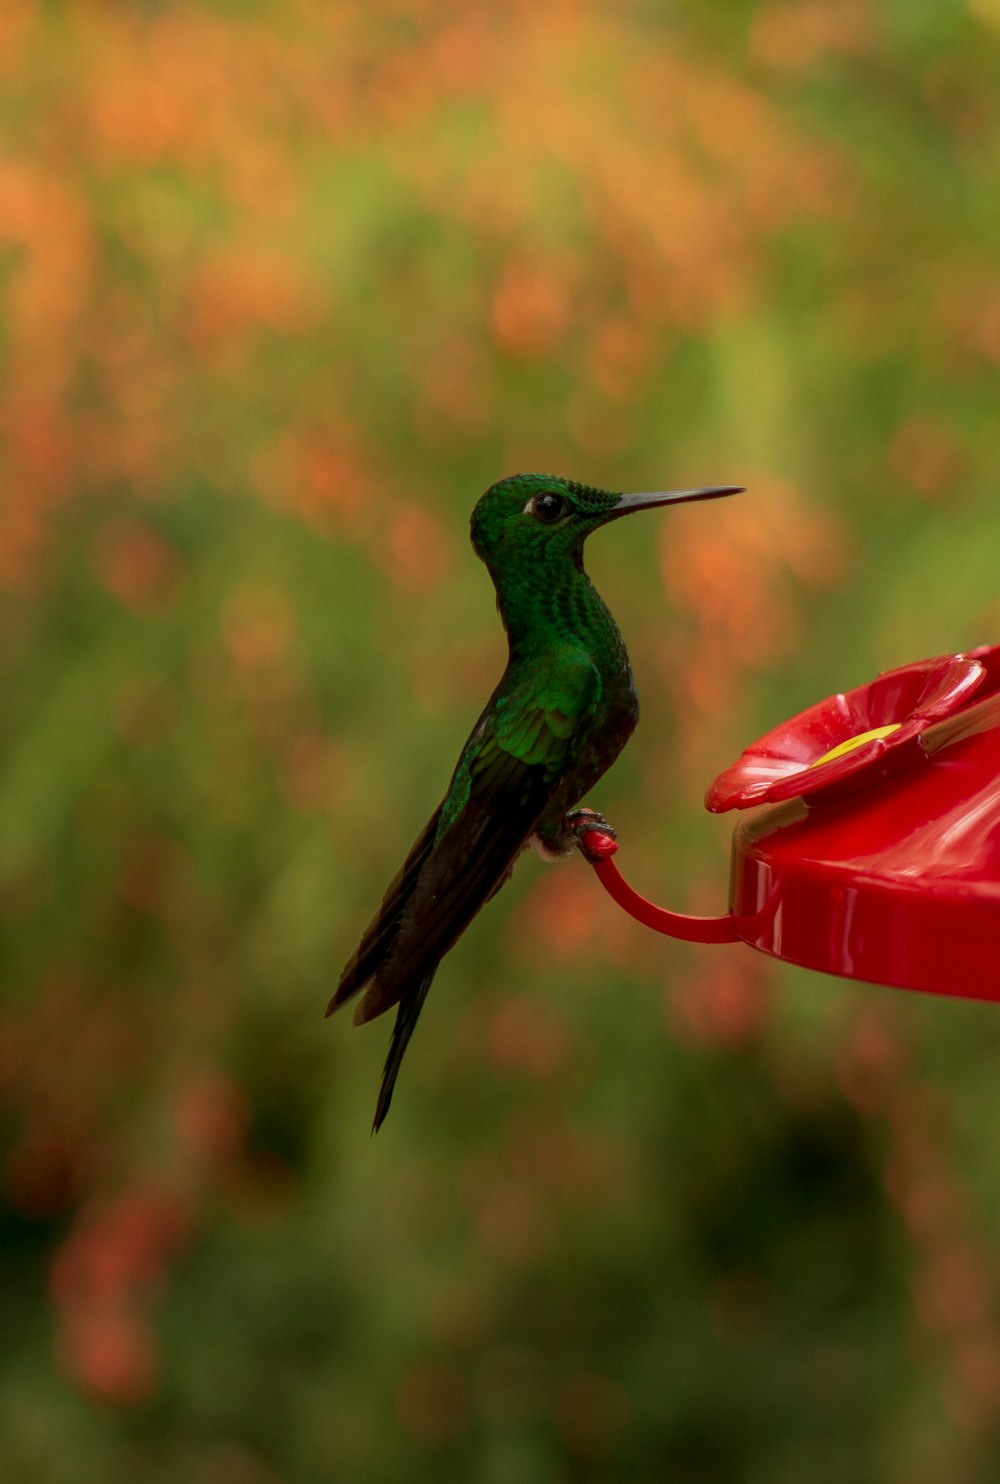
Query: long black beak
(628, 503)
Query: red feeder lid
(893, 874)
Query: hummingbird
(563, 710)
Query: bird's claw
(591, 834)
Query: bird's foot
(591, 834)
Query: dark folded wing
(384, 926)
(502, 785)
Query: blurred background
(283, 288)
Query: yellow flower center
(858, 741)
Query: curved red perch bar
(600, 848)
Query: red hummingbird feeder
(876, 854)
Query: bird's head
(532, 517)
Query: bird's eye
(549, 508)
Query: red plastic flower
(854, 739)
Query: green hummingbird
(562, 712)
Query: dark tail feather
(406, 1018)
